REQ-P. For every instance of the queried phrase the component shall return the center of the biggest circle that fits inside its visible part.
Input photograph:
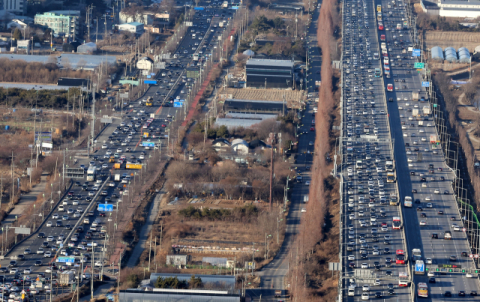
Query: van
(305, 198)
(351, 291)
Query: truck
(426, 110)
(351, 291)
(420, 123)
(225, 4)
(415, 113)
(195, 57)
(67, 278)
(414, 96)
(305, 198)
(396, 223)
(419, 267)
(393, 199)
(383, 45)
(278, 293)
(220, 24)
(433, 139)
(117, 177)
(390, 177)
(399, 26)
(422, 290)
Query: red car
(102, 215)
(312, 128)
(163, 125)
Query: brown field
(454, 39)
(293, 97)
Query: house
(133, 27)
(144, 18)
(256, 143)
(177, 260)
(240, 146)
(221, 144)
(154, 29)
(145, 63)
(15, 23)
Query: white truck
(220, 24)
(415, 96)
(305, 198)
(426, 110)
(415, 113)
(67, 278)
(225, 4)
(117, 177)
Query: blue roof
(135, 23)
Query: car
(40, 251)
(461, 293)
(447, 294)
(27, 271)
(431, 280)
(27, 251)
(440, 212)
(473, 293)
(303, 210)
(437, 191)
(423, 222)
(38, 262)
(365, 296)
(453, 258)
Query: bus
(91, 173)
(422, 291)
(396, 223)
(380, 26)
(407, 202)
(378, 72)
(382, 37)
(379, 8)
(403, 279)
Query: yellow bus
(379, 8)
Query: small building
(254, 106)
(265, 73)
(452, 8)
(133, 27)
(240, 146)
(163, 17)
(15, 23)
(221, 145)
(144, 18)
(145, 63)
(15, 6)
(87, 48)
(258, 144)
(154, 29)
(177, 260)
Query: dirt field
(454, 39)
(293, 97)
(468, 116)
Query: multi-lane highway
(373, 248)
(60, 233)
(422, 170)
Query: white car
(364, 265)
(437, 191)
(377, 282)
(307, 183)
(376, 252)
(351, 257)
(428, 260)
(429, 205)
(365, 288)
(303, 210)
(431, 274)
(104, 146)
(365, 296)
(470, 275)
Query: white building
(144, 18)
(145, 63)
(15, 23)
(133, 27)
(240, 146)
(452, 8)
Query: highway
(121, 138)
(370, 266)
(417, 158)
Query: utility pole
(13, 183)
(93, 116)
(96, 33)
(272, 139)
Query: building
(221, 144)
(240, 146)
(61, 22)
(164, 18)
(15, 6)
(452, 8)
(177, 260)
(265, 73)
(243, 120)
(154, 29)
(15, 23)
(133, 27)
(144, 18)
(145, 63)
(253, 106)
(184, 295)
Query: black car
(41, 235)
(378, 294)
(417, 201)
(414, 190)
(462, 293)
(453, 258)
(447, 294)
(419, 209)
(473, 293)
(386, 250)
(38, 263)
(446, 192)
(423, 215)
(391, 292)
(431, 280)
(68, 227)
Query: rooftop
(135, 23)
(268, 62)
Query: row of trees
(173, 282)
(245, 213)
(429, 22)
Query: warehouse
(265, 73)
(134, 27)
(258, 107)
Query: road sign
(425, 84)
(464, 229)
(105, 207)
(75, 172)
(419, 266)
(476, 256)
(419, 65)
(66, 259)
(415, 52)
